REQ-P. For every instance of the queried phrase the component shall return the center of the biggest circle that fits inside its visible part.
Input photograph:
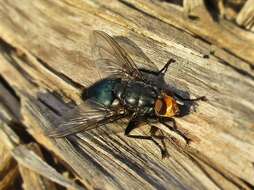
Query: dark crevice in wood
(79, 182)
(6, 47)
(176, 2)
(240, 71)
(11, 164)
(16, 122)
(21, 131)
(23, 72)
(17, 183)
(137, 9)
(251, 65)
(60, 75)
(8, 50)
(5, 100)
(51, 160)
(247, 183)
(8, 110)
(9, 88)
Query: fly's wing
(84, 117)
(111, 59)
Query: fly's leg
(133, 124)
(174, 128)
(165, 68)
(193, 101)
(153, 131)
(202, 98)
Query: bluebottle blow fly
(123, 91)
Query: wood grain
(31, 179)
(246, 16)
(8, 168)
(45, 59)
(31, 161)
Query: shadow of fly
(124, 91)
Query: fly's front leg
(133, 124)
(165, 68)
(180, 100)
(202, 98)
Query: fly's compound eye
(166, 107)
(160, 107)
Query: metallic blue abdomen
(102, 91)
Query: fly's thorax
(166, 106)
(136, 96)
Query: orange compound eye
(160, 107)
(166, 107)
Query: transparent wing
(84, 117)
(111, 59)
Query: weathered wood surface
(31, 162)
(245, 17)
(45, 58)
(31, 179)
(8, 167)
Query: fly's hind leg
(133, 124)
(165, 68)
(161, 137)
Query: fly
(123, 91)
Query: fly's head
(166, 106)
